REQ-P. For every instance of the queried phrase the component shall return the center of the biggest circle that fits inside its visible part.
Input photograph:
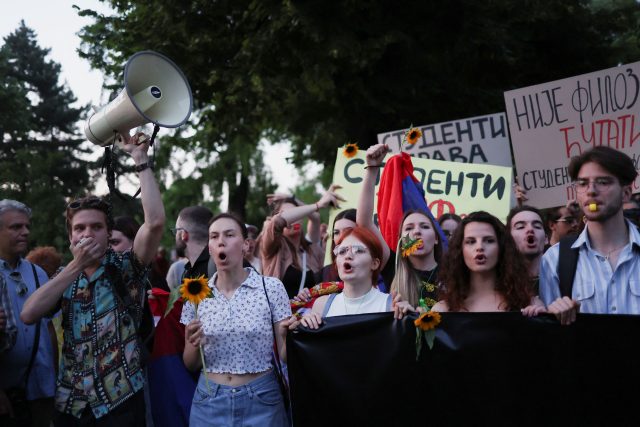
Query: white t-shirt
(238, 334)
(373, 301)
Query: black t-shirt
(292, 278)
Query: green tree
(321, 73)
(39, 163)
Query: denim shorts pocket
(268, 395)
(200, 396)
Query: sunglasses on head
(88, 202)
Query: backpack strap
(567, 263)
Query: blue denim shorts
(258, 403)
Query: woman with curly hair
(483, 271)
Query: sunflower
(350, 150)
(410, 246)
(195, 290)
(428, 320)
(413, 135)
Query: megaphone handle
(156, 128)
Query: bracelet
(372, 166)
(317, 207)
(142, 166)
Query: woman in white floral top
(234, 328)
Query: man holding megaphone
(101, 294)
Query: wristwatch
(141, 167)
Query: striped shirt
(599, 288)
(8, 335)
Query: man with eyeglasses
(26, 370)
(101, 294)
(561, 222)
(606, 276)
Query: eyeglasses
(17, 277)
(341, 250)
(567, 219)
(174, 231)
(599, 184)
(88, 202)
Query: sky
(56, 24)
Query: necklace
(611, 252)
(353, 300)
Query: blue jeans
(258, 403)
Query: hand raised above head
(331, 197)
(135, 145)
(376, 154)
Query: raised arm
(364, 215)
(147, 240)
(330, 197)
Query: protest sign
(552, 122)
(454, 187)
(481, 139)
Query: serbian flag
(171, 385)
(400, 191)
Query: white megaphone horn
(155, 91)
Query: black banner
(484, 369)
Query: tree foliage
(321, 73)
(39, 163)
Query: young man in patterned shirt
(101, 294)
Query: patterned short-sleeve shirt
(100, 363)
(238, 331)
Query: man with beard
(192, 236)
(608, 250)
(527, 229)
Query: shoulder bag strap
(284, 386)
(304, 270)
(36, 340)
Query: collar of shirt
(253, 280)
(634, 237)
(5, 265)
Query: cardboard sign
(481, 139)
(454, 187)
(552, 122)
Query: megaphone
(155, 91)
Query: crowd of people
(75, 338)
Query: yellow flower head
(350, 150)
(195, 290)
(428, 320)
(413, 135)
(409, 246)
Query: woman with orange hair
(358, 258)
